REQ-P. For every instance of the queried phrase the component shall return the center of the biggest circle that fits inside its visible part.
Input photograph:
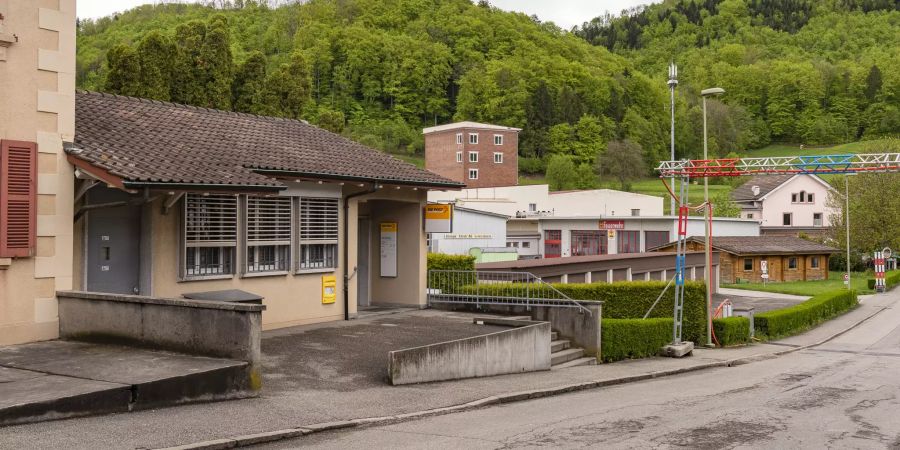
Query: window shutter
(269, 220)
(18, 198)
(319, 219)
(210, 220)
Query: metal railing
(478, 288)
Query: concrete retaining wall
(574, 324)
(523, 349)
(218, 329)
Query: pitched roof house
(178, 199)
(786, 204)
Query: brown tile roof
(766, 183)
(765, 245)
(149, 142)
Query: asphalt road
(843, 394)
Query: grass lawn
(874, 146)
(835, 281)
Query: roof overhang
(332, 177)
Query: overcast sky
(565, 13)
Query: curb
(512, 397)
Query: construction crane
(839, 164)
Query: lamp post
(673, 81)
(847, 219)
(708, 93)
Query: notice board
(389, 249)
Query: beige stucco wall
(779, 202)
(37, 104)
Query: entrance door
(363, 246)
(113, 244)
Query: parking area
(760, 301)
(347, 356)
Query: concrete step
(585, 361)
(559, 345)
(566, 355)
(554, 335)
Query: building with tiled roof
(786, 205)
(173, 200)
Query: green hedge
(441, 261)
(631, 299)
(633, 338)
(732, 331)
(891, 279)
(794, 319)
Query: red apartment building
(477, 154)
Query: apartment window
(459, 157)
(515, 245)
(526, 244)
(473, 138)
(817, 219)
(814, 262)
(787, 219)
(635, 212)
(210, 235)
(268, 234)
(458, 138)
(498, 139)
(532, 207)
(318, 233)
(794, 198)
(749, 215)
(810, 198)
(748, 264)
(792, 263)
(498, 157)
(655, 239)
(473, 157)
(473, 174)
(509, 244)
(629, 241)
(552, 243)
(588, 242)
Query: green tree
(189, 80)
(724, 206)
(124, 71)
(624, 161)
(588, 140)
(331, 120)
(561, 139)
(874, 213)
(215, 54)
(561, 173)
(156, 54)
(288, 88)
(873, 83)
(585, 178)
(249, 88)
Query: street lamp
(673, 81)
(708, 93)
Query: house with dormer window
(786, 204)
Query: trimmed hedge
(891, 279)
(442, 261)
(794, 319)
(732, 331)
(633, 338)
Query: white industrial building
(471, 229)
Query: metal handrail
(452, 284)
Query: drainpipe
(346, 246)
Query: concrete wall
(779, 201)
(575, 324)
(37, 104)
(470, 229)
(217, 329)
(523, 349)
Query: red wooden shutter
(18, 198)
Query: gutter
(328, 176)
(346, 246)
(203, 186)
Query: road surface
(843, 394)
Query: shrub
(732, 331)
(633, 338)
(532, 166)
(441, 261)
(794, 319)
(871, 283)
(446, 282)
(631, 300)
(891, 279)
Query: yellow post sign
(329, 289)
(438, 218)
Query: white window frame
(459, 157)
(313, 237)
(498, 139)
(473, 172)
(268, 225)
(209, 227)
(498, 157)
(791, 219)
(459, 140)
(473, 157)
(821, 219)
(473, 138)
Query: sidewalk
(299, 409)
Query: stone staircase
(563, 355)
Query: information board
(438, 218)
(389, 249)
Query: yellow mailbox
(329, 289)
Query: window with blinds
(268, 234)
(318, 233)
(210, 234)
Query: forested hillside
(380, 70)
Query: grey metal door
(113, 244)
(362, 263)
